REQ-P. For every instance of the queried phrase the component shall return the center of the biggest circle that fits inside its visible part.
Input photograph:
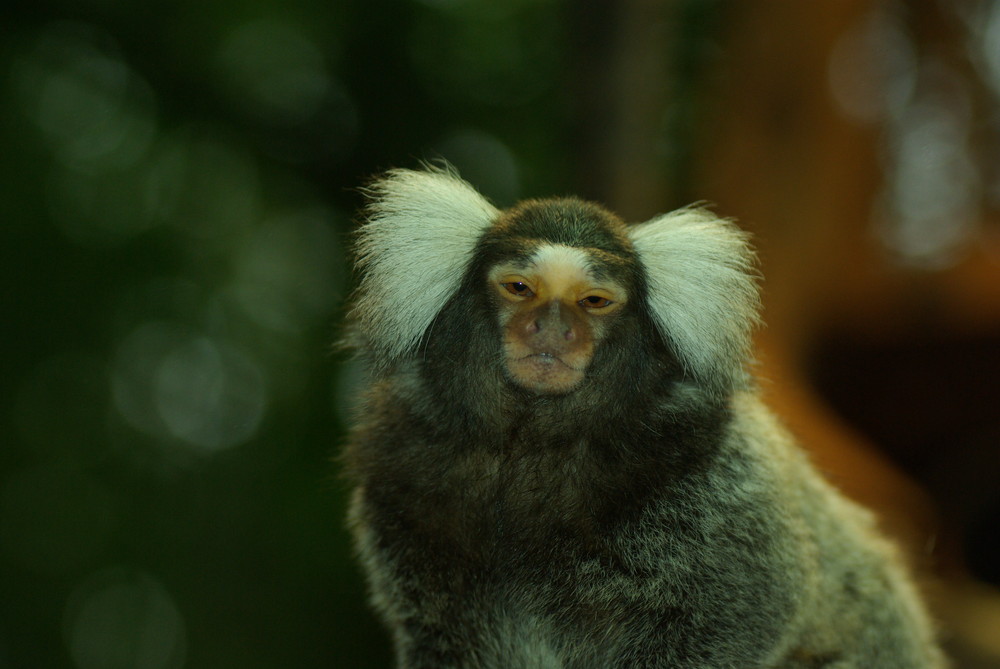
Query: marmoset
(561, 459)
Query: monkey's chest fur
(579, 553)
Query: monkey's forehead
(559, 260)
(566, 221)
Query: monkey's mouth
(544, 373)
(545, 360)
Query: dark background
(178, 183)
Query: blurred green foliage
(178, 189)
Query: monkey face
(556, 275)
(553, 309)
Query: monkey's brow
(602, 265)
(599, 263)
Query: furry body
(639, 510)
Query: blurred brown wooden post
(801, 176)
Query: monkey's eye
(594, 302)
(518, 288)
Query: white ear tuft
(412, 253)
(702, 291)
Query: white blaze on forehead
(561, 268)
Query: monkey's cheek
(545, 374)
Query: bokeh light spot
(209, 394)
(872, 68)
(175, 384)
(933, 188)
(289, 271)
(95, 112)
(124, 619)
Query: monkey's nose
(537, 325)
(550, 332)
